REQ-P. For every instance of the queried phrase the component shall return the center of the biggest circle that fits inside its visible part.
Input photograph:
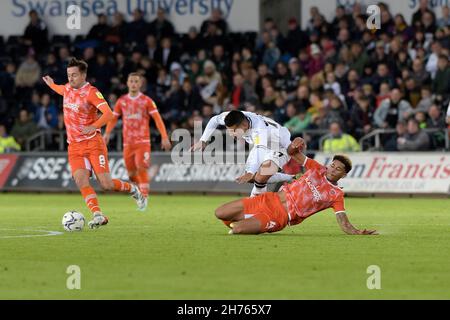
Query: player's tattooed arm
(348, 228)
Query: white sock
(280, 177)
(256, 191)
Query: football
(73, 221)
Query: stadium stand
(366, 82)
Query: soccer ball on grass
(73, 221)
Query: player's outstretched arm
(348, 228)
(59, 89)
(212, 125)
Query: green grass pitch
(178, 250)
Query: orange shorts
(137, 156)
(269, 210)
(90, 154)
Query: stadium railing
(372, 141)
(376, 138)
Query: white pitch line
(48, 233)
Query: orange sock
(134, 179)
(143, 181)
(90, 197)
(121, 186)
(227, 223)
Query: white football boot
(98, 220)
(141, 201)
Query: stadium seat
(61, 40)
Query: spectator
(392, 110)
(415, 138)
(336, 112)
(177, 72)
(137, 29)
(448, 115)
(435, 118)
(166, 54)
(102, 71)
(391, 143)
(46, 116)
(161, 27)
(383, 94)
(213, 35)
(192, 42)
(151, 46)
(28, 73)
(217, 20)
(337, 141)
(296, 39)
(383, 75)
(7, 142)
(271, 55)
(401, 28)
(420, 75)
(428, 23)
(300, 118)
(219, 58)
(23, 128)
(27, 76)
(332, 84)
(316, 62)
(191, 98)
(118, 31)
(432, 63)
(441, 83)
(417, 17)
(361, 117)
(281, 77)
(359, 58)
(36, 32)
(426, 100)
(7, 81)
(242, 91)
(100, 30)
(444, 21)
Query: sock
(90, 197)
(258, 188)
(143, 182)
(134, 179)
(227, 223)
(122, 186)
(280, 177)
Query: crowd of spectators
(336, 76)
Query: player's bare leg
(81, 177)
(246, 226)
(266, 170)
(109, 184)
(231, 212)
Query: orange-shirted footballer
(315, 191)
(136, 108)
(87, 151)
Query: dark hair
(82, 66)
(234, 118)
(345, 161)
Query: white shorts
(258, 155)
